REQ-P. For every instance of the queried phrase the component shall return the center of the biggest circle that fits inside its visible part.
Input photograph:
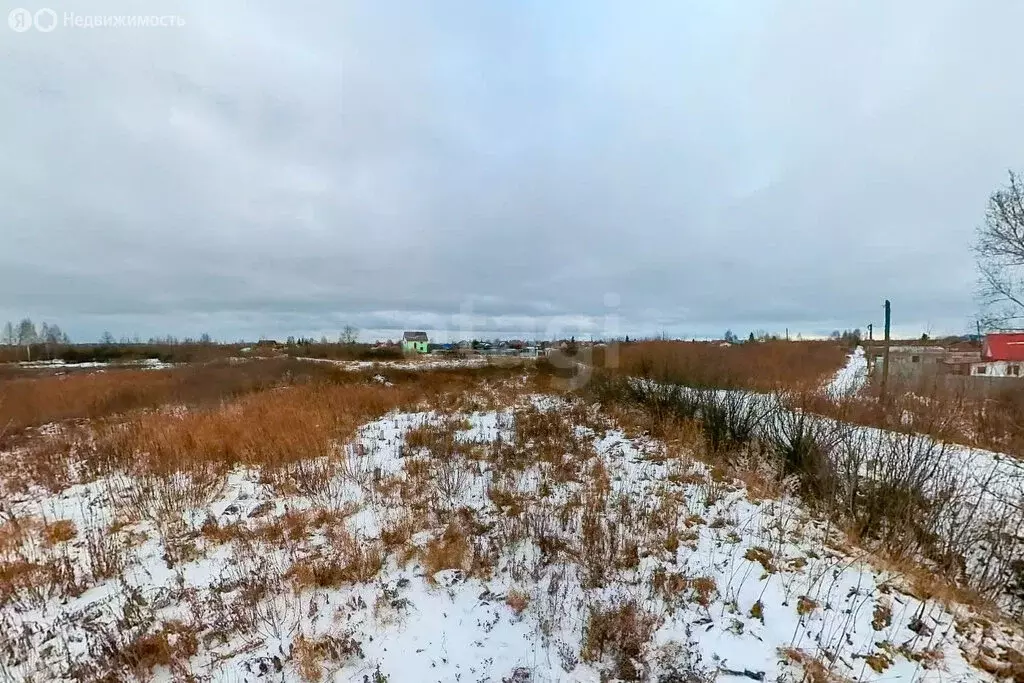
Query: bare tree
(43, 338)
(27, 335)
(349, 335)
(52, 337)
(8, 338)
(999, 251)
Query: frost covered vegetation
(284, 520)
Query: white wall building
(997, 368)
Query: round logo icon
(45, 20)
(20, 19)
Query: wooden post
(885, 357)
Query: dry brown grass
(517, 600)
(170, 646)
(28, 583)
(14, 531)
(620, 632)
(33, 400)
(287, 428)
(287, 530)
(896, 495)
(1008, 668)
(815, 671)
(760, 366)
(348, 561)
(311, 655)
(924, 583)
(450, 550)
(59, 531)
(805, 605)
(981, 416)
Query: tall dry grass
(33, 400)
(278, 415)
(81, 353)
(758, 366)
(979, 416)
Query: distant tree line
(847, 337)
(26, 335)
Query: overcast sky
(275, 168)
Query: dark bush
(803, 444)
(732, 419)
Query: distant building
(415, 342)
(908, 360)
(1002, 355)
(959, 362)
(1006, 346)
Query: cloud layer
(287, 168)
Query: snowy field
(539, 542)
(412, 363)
(146, 364)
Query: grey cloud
(278, 169)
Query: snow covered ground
(415, 363)
(982, 489)
(851, 376)
(146, 364)
(536, 543)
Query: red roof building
(1004, 346)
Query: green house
(415, 342)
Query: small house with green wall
(415, 342)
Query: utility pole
(871, 330)
(885, 357)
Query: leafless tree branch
(999, 251)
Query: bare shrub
(171, 646)
(29, 583)
(105, 553)
(903, 490)
(358, 466)
(902, 493)
(451, 478)
(803, 443)
(620, 633)
(311, 654)
(732, 419)
(349, 561)
(322, 480)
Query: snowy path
(851, 376)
